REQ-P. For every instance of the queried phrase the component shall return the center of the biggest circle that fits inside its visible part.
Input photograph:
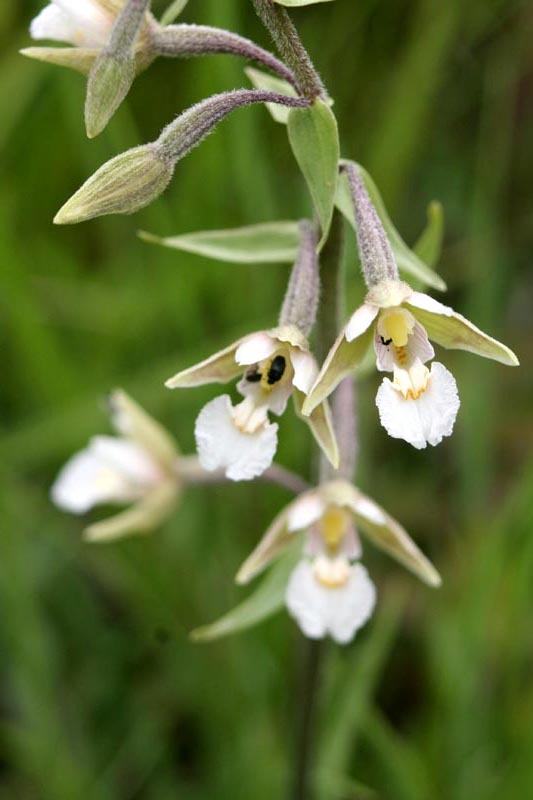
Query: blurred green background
(103, 696)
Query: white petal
(220, 443)
(370, 510)
(425, 420)
(79, 22)
(304, 511)
(305, 601)
(127, 458)
(353, 605)
(418, 346)
(86, 481)
(360, 321)
(255, 348)
(320, 610)
(305, 369)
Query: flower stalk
(284, 34)
(184, 41)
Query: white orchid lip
(222, 444)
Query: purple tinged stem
(183, 41)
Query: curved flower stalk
(330, 593)
(241, 439)
(140, 466)
(420, 404)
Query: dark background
(103, 696)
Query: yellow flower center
(334, 525)
(396, 325)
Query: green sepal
(266, 600)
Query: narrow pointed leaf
(314, 139)
(407, 260)
(266, 600)
(270, 242)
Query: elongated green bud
(133, 179)
(113, 71)
(121, 186)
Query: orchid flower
(330, 593)
(241, 439)
(421, 403)
(139, 466)
(86, 26)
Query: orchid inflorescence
(315, 539)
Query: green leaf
(296, 3)
(262, 80)
(429, 245)
(173, 11)
(314, 140)
(408, 260)
(266, 600)
(269, 242)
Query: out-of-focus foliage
(103, 696)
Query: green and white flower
(139, 466)
(420, 404)
(330, 593)
(241, 439)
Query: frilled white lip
(260, 346)
(221, 444)
(426, 420)
(83, 23)
(109, 470)
(338, 612)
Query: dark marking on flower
(386, 342)
(276, 370)
(253, 375)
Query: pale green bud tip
(123, 185)
(109, 83)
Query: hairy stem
(328, 324)
(183, 41)
(277, 21)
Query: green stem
(327, 327)
(277, 21)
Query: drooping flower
(421, 403)
(329, 592)
(82, 23)
(139, 466)
(86, 26)
(241, 439)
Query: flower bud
(113, 71)
(109, 83)
(123, 185)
